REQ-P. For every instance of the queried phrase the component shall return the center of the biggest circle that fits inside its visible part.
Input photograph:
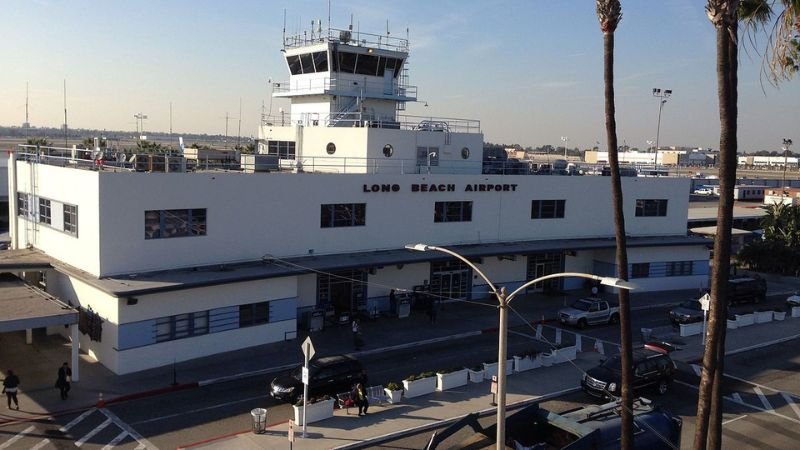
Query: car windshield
(692, 304)
(583, 305)
(297, 373)
(614, 363)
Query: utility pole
(66, 127)
(239, 137)
(786, 144)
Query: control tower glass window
(294, 65)
(347, 62)
(367, 65)
(320, 61)
(307, 63)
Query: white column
(29, 336)
(76, 347)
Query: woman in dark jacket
(64, 379)
(10, 388)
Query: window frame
(340, 215)
(257, 314)
(548, 209)
(640, 270)
(192, 324)
(45, 211)
(651, 207)
(452, 211)
(70, 218)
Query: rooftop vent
(345, 36)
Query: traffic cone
(100, 402)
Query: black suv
(328, 375)
(746, 290)
(651, 367)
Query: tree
(609, 13)
(41, 142)
(782, 56)
(708, 429)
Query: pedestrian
(64, 380)
(10, 388)
(361, 399)
(392, 299)
(356, 333)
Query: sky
(531, 71)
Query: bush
(450, 370)
(312, 400)
(392, 386)
(427, 374)
(477, 367)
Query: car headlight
(612, 387)
(283, 390)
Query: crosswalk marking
(40, 444)
(75, 421)
(116, 440)
(143, 443)
(19, 436)
(736, 397)
(791, 403)
(697, 369)
(763, 398)
(91, 434)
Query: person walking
(10, 388)
(361, 399)
(356, 334)
(64, 380)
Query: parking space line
(791, 403)
(736, 397)
(734, 419)
(74, 421)
(18, 436)
(763, 398)
(116, 440)
(697, 369)
(40, 444)
(91, 434)
(143, 443)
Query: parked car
(746, 290)
(593, 427)
(589, 311)
(327, 375)
(652, 366)
(793, 300)
(687, 312)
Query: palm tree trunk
(715, 343)
(622, 253)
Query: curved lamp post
(504, 299)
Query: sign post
(493, 390)
(290, 433)
(705, 302)
(308, 351)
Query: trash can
(316, 320)
(259, 420)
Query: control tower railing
(348, 37)
(334, 86)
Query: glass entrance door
(450, 279)
(541, 264)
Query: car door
(596, 312)
(648, 372)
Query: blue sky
(529, 70)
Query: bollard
(578, 343)
(538, 331)
(100, 402)
(598, 347)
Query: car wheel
(663, 387)
(614, 319)
(582, 324)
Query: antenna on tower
(387, 27)
(329, 17)
(170, 118)
(27, 123)
(66, 127)
(239, 137)
(284, 27)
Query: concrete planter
(691, 329)
(764, 316)
(416, 388)
(450, 380)
(565, 354)
(523, 363)
(779, 315)
(490, 369)
(732, 324)
(548, 358)
(795, 311)
(475, 376)
(315, 412)
(393, 396)
(745, 319)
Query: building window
(465, 153)
(23, 205)
(253, 314)
(281, 149)
(651, 208)
(71, 219)
(44, 211)
(388, 150)
(428, 156)
(181, 326)
(170, 223)
(330, 148)
(343, 215)
(547, 209)
(452, 212)
(680, 268)
(640, 270)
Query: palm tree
(782, 58)
(723, 16)
(609, 13)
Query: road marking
(791, 403)
(19, 436)
(143, 443)
(737, 398)
(91, 434)
(66, 427)
(697, 370)
(116, 440)
(207, 408)
(763, 398)
(40, 444)
(734, 419)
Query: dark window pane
(367, 65)
(294, 65)
(198, 222)
(307, 63)
(347, 62)
(326, 216)
(381, 65)
(321, 61)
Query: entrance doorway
(541, 264)
(450, 279)
(343, 291)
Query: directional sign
(308, 348)
(704, 301)
(304, 375)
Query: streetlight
(430, 155)
(140, 118)
(565, 139)
(663, 95)
(504, 299)
(786, 144)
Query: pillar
(29, 335)
(76, 347)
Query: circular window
(465, 153)
(388, 151)
(331, 148)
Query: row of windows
(170, 223)
(670, 269)
(41, 210)
(281, 149)
(362, 64)
(182, 326)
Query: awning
(24, 306)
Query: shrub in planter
(416, 385)
(394, 392)
(528, 360)
(318, 408)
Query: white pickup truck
(589, 311)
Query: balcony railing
(347, 37)
(334, 86)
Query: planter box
(393, 396)
(416, 388)
(565, 354)
(445, 381)
(316, 412)
(490, 369)
(475, 376)
(523, 363)
(548, 358)
(691, 329)
(764, 316)
(795, 311)
(745, 319)
(778, 315)
(732, 324)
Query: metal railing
(341, 36)
(349, 87)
